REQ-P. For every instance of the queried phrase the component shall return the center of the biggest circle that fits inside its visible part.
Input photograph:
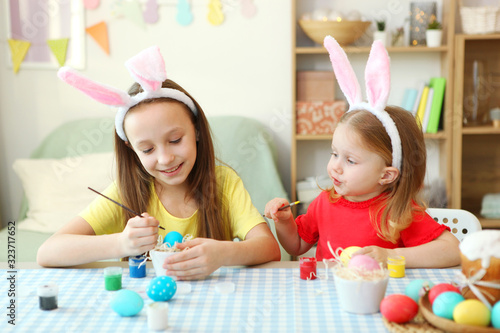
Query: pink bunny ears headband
(147, 68)
(377, 80)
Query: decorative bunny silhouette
(147, 68)
(377, 81)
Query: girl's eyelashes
(177, 140)
(147, 151)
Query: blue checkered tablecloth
(265, 300)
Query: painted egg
(417, 288)
(161, 288)
(472, 312)
(363, 261)
(173, 237)
(127, 303)
(495, 315)
(441, 288)
(398, 308)
(445, 303)
(346, 255)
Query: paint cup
(157, 316)
(396, 266)
(307, 268)
(137, 266)
(113, 278)
(47, 296)
(158, 258)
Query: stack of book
(426, 103)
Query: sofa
(79, 154)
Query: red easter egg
(441, 288)
(398, 308)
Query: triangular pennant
(59, 48)
(18, 50)
(133, 12)
(99, 32)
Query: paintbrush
(119, 204)
(285, 207)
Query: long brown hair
(396, 208)
(134, 183)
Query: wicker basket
(480, 20)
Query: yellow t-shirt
(105, 217)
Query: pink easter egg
(363, 261)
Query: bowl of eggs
(345, 29)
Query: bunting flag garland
(59, 48)
(248, 8)
(99, 32)
(18, 50)
(133, 12)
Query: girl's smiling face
(358, 174)
(164, 138)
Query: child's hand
(271, 210)
(203, 257)
(378, 253)
(139, 236)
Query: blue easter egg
(161, 288)
(495, 315)
(416, 288)
(127, 303)
(445, 303)
(173, 237)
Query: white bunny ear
(343, 71)
(148, 68)
(100, 92)
(378, 76)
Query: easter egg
(416, 288)
(173, 237)
(445, 303)
(346, 255)
(127, 303)
(161, 288)
(363, 261)
(495, 315)
(472, 312)
(441, 288)
(398, 308)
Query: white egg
(320, 14)
(335, 15)
(353, 15)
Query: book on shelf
(420, 90)
(427, 112)
(438, 84)
(409, 98)
(421, 106)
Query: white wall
(240, 67)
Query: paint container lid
(48, 290)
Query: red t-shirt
(344, 223)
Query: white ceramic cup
(158, 258)
(360, 296)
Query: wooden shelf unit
(443, 137)
(476, 149)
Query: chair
(461, 222)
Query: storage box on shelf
(476, 148)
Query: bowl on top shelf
(345, 32)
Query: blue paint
(135, 270)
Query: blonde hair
(134, 182)
(401, 198)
